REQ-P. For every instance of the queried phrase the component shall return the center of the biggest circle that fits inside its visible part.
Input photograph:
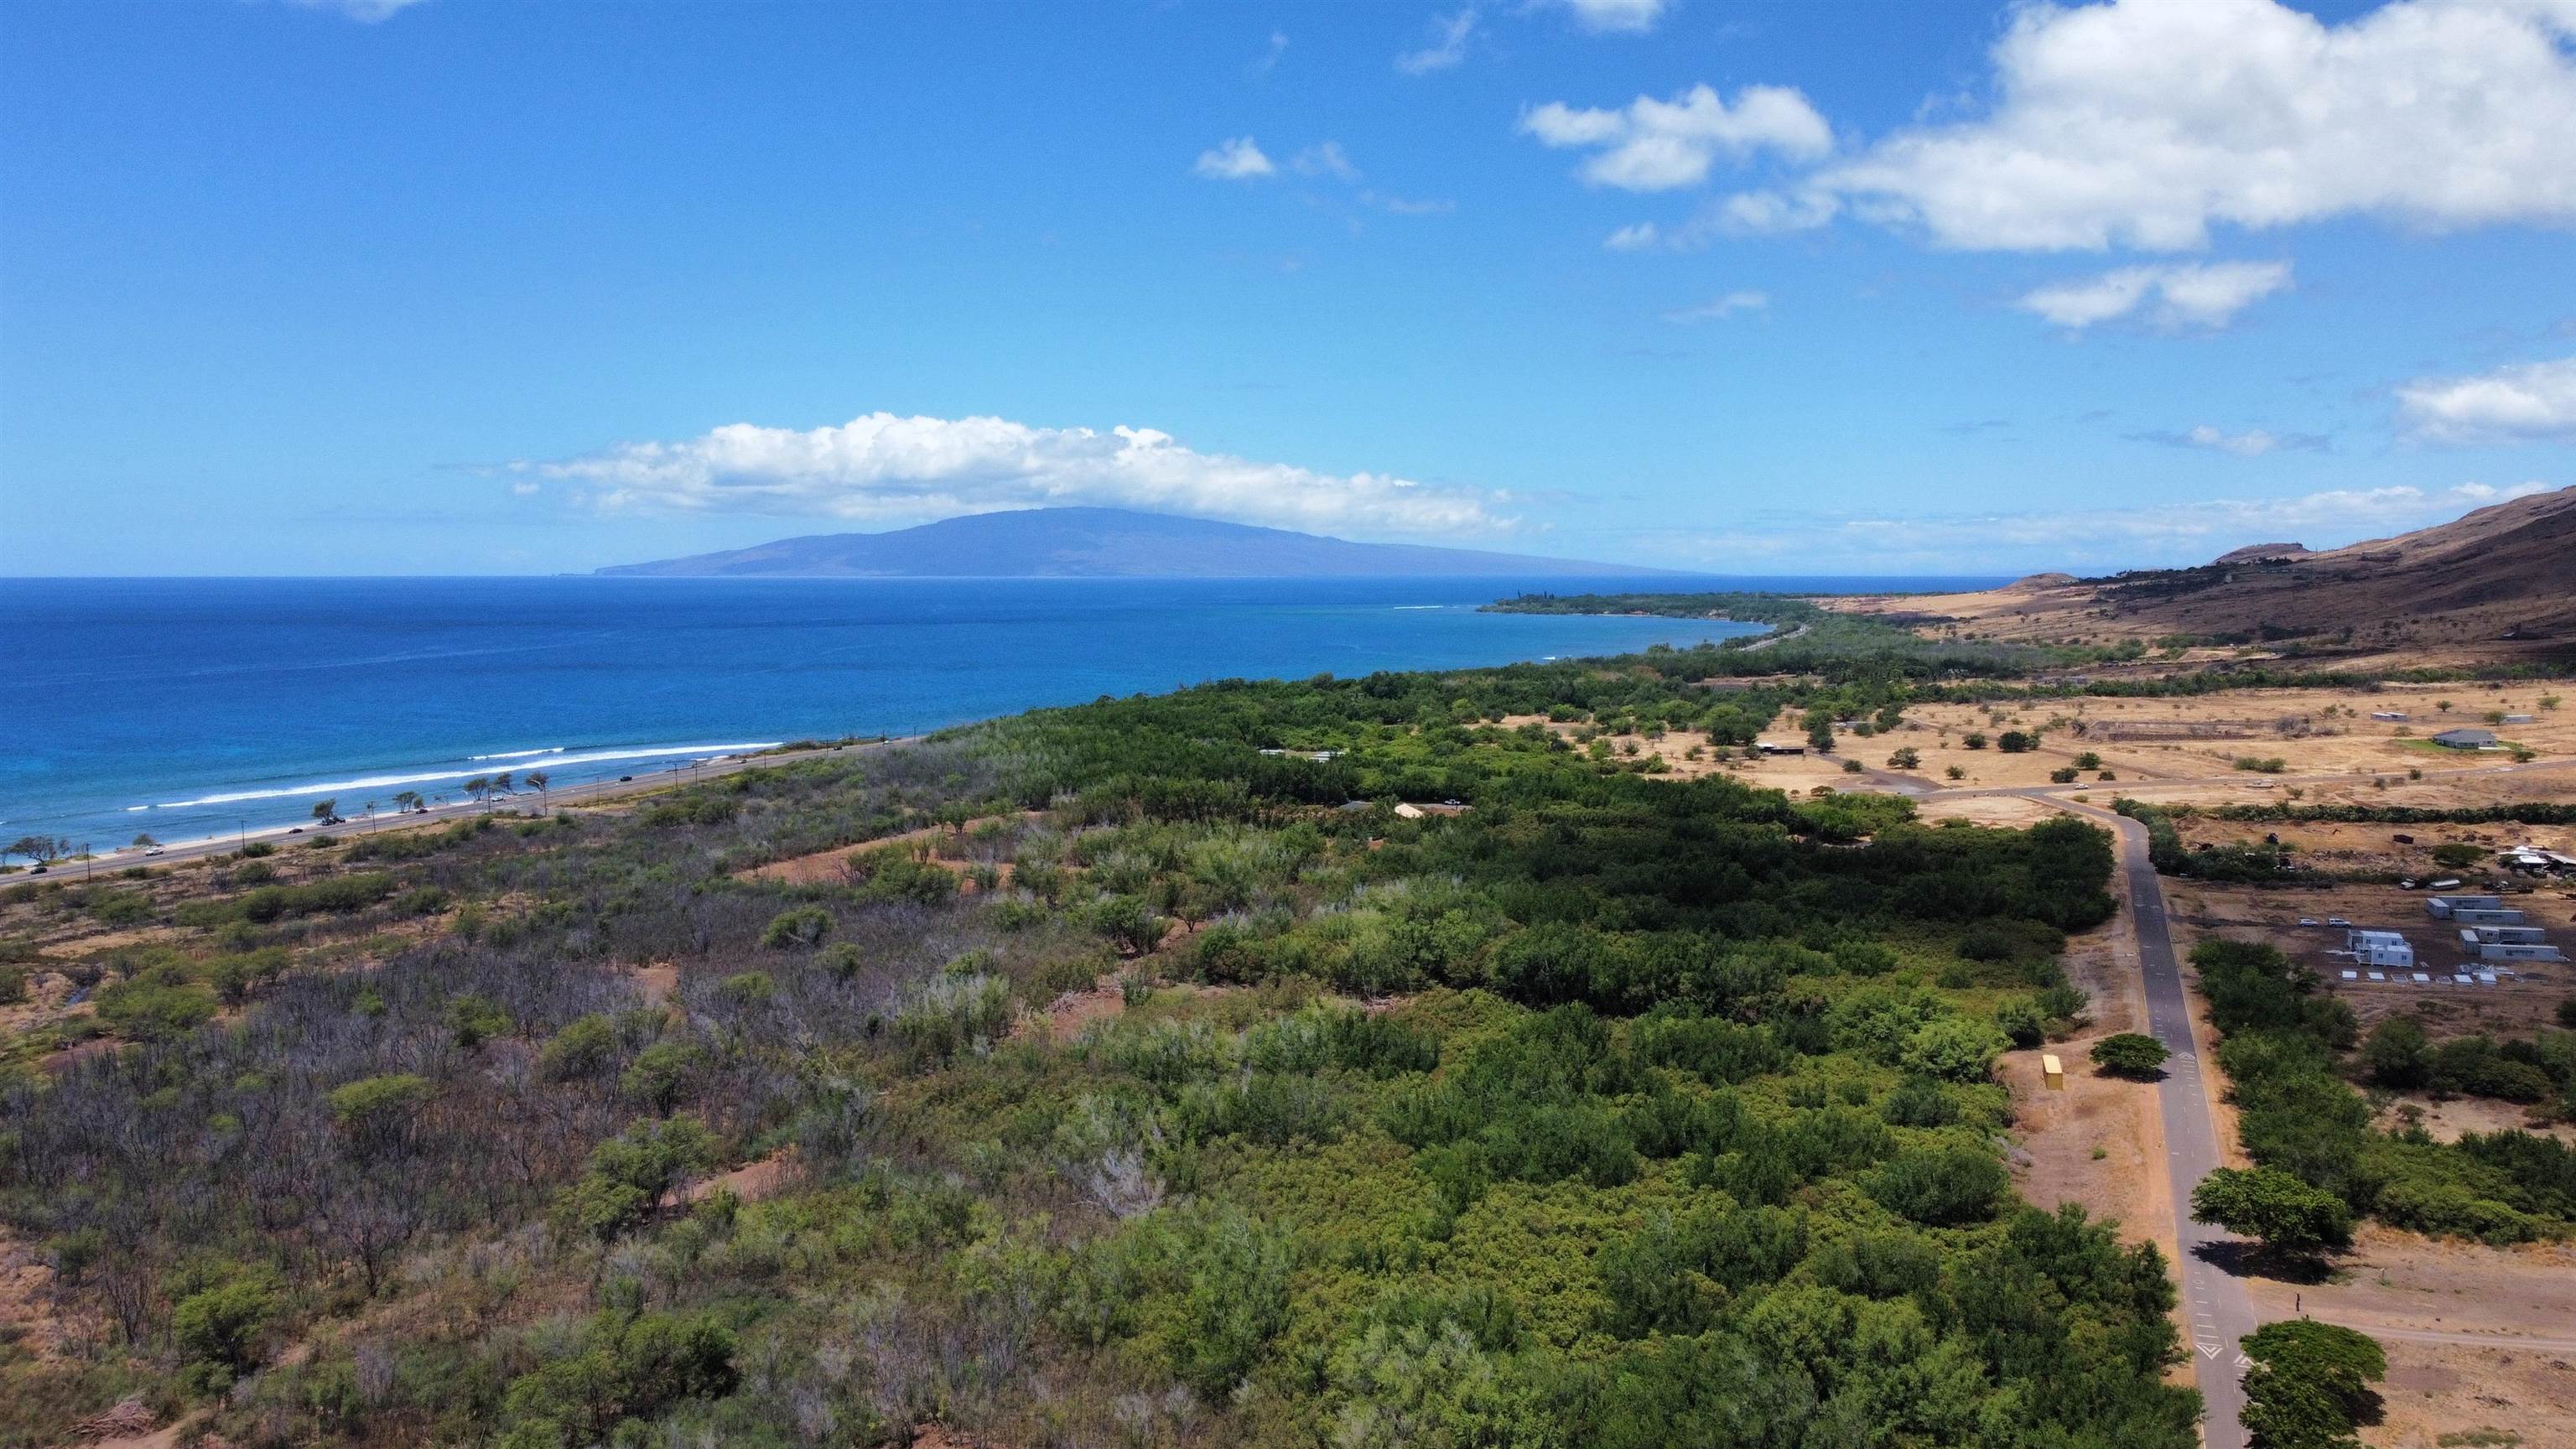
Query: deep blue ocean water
(217, 703)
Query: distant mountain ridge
(1099, 543)
(2497, 584)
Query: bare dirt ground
(656, 981)
(2497, 1326)
(28, 1322)
(2515, 1005)
(2312, 731)
(2448, 1117)
(2099, 1142)
(830, 867)
(2479, 1339)
(2357, 848)
(750, 1182)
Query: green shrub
(2130, 1054)
(1940, 1187)
(586, 1047)
(625, 1370)
(794, 929)
(629, 1174)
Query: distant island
(1101, 543)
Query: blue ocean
(195, 707)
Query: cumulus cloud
(2252, 443)
(1633, 17)
(1657, 145)
(884, 468)
(1235, 159)
(2144, 123)
(1745, 300)
(2189, 295)
(1326, 158)
(2526, 400)
(2156, 534)
(1447, 48)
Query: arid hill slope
(2497, 583)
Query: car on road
(152, 850)
(2337, 921)
(2307, 920)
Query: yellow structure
(2054, 1069)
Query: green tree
(798, 928)
(2397, 1053)
(2310, 1383)
(218, 1319)
(539, 780)
(380, 1113)
(326, 811)
(2130, 1054)
(630, 1173)
(627, 1368)
(1907, 758)
(2289, 1217)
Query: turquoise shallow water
(186, 707)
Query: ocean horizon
(194, 707)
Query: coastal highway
(657, 776)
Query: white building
(2443, 907)
(2380, 948)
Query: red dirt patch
(750, 1182)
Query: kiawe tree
(2130, 1054)
(2309, 1385)
(2289, 1217)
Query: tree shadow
(2238, 1258)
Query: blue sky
(456, 286)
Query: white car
(2307, 920)
(2337, 921)
(152, 850)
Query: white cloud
(1634, 238)
(2526, 400)
(1745, 300)
(890, 469)
(1448, 47)
(1634, 17)
(1326, 158)
(1655, 145)
(2145, 122)
(1268, 60)
(527, 489)
(2190, 294)
(2252, 443)
(1236, 159)
(1408, 206)
(365, 12)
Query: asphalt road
(2215, 1305)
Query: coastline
(595, 792)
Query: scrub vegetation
(1118, 1083)
(2288, 1051)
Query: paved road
(657, 775)
(2215, 1304)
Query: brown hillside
(2497, 583)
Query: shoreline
(593, 792)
